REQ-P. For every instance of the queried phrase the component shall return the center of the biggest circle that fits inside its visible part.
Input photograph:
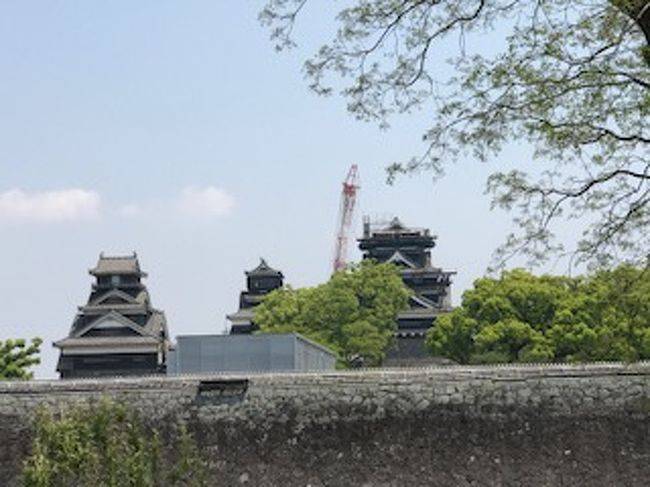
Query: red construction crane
(346, 211)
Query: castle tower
(410, 250)
(259, 282)
(117, 332)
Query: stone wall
(455, 426)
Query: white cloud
(205, 202)
(17, 205)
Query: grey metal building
(248, 353)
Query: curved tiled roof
(263, 269)
(125, 264)
(106, 341)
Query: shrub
(109, 445)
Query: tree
(525, 318)
(511, 340)
(16, 357)
(108, 444)
(353, 313)
(573, 79)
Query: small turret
(259, 282)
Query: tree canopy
(353, 313)
(522, 318)
(17, 356)
(572, 79)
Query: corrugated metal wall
(247, 353)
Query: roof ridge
(115, 257)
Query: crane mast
(346, 213)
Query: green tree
(522, 318)
(511, 341)
(17, 356)
(353, 313)
(607, 318)
(572, 79)
(452, 336)
(108, 445)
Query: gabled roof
(400, 259)
(143, 297)
(114, 293)
(263, 269)
(126, 264)
(157, 324)
(106, 320)
(123, 309)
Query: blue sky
(174, 129)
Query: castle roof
(102, 342)
(394, 229)
(112, 311)
(396, 225)
(127, 264)
(155, 324)
(263, 269)
(399, 258)
(246, 314)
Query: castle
(118, 332)
(259, 282)
(410, 249)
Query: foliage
(16, 356)
(109, 445)
(572, 79)
(524, 318)
(353, 313)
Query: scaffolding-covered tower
(410, 250)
